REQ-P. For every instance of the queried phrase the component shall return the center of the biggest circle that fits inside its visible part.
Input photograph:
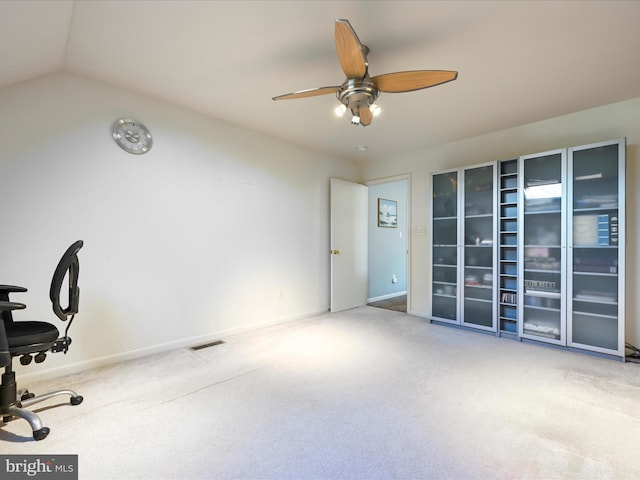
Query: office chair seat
(28, 334)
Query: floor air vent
(207, 345)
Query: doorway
(388, 243)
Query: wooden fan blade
(312, 92)
(365, 116)
(413, 80)
(350, 51)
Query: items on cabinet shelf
(586, 263)
(596, 201)
(508, 297)
(542, 329)
(596, 296)
(599, 229)
(541, 258)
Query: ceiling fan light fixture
(340, 109)
(375, 109)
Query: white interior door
(348, 245)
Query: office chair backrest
(68, 264)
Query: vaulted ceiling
(518, 62)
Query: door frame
(396, 178)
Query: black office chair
(32, 340)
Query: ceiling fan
(359, 91)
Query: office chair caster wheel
(76, 400)
(41, 434)
(25, 359)
(40, 357)
(27, 395)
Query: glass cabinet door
(444, 275)
(596, 260)
(541, 252)
(478, 299)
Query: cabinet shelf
(542, 293)
(443, 295)
(508, 240)
(534, 330)
(479, 300)
(594, 274)
(605, 208)
(542, 212)
(589, 314)
(547, 309)
(598, 300)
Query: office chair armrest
(11, 306)
(5, 355)
(11, 289)
(5, 290)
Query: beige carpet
(363, 394)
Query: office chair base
(39, 432)
(23, 399)
(74, 398)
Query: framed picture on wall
(387, 213)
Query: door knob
(335, 252)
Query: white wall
(590, 126)
(192, 241)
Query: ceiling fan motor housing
(355, 94)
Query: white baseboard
(386, 297)
(416, 313)
(47, 374)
